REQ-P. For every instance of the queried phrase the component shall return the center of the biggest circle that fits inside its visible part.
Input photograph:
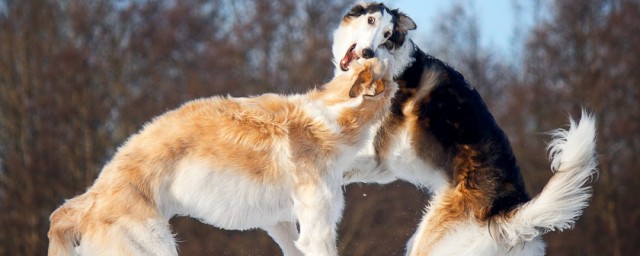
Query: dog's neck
(403, 57)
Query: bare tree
(78, 77)
(585, 55)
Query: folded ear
(377, 87)
(406, 23)
(356, 11)
(362, 83)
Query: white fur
(151, 237)
(407, 165)
(401, 163)
(402, 56)
(253, 206)
(361, 33)
(558, 206)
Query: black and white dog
(440, 135)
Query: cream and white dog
(235, 163)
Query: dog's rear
(557, 207)
(64, 232)
(519, 230)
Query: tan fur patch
(467, 171)
(457, 204)
(385, 136)
(346, 20)
(450, 210)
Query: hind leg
(318, 207)
(129, 236)
(285, 234)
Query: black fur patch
(455, 114)
(399, 35)
(358, 10)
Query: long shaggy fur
(561, 202)
(236, 163)
(440, 135)
(518, 231)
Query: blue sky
(497, 18)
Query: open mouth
(348, 57)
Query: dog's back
(86, 225)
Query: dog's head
(366, 81)
(367, 27)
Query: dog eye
(371, 20)
(387, 34)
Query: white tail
(558, 206)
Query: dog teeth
(348, 57)
(344, 63)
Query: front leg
(318, 207)
(414, 170)
(285, 234)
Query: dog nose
(367, 53)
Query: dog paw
(381, 65)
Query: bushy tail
(558, 206)
(64, 232)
